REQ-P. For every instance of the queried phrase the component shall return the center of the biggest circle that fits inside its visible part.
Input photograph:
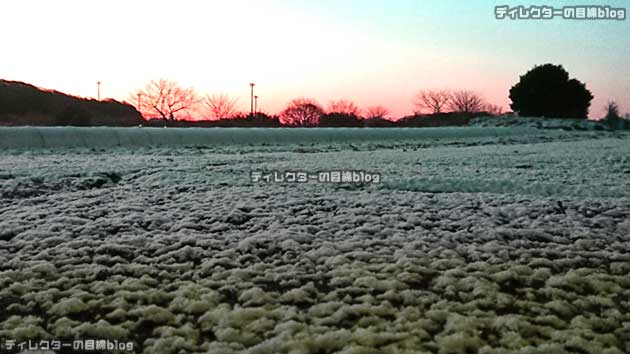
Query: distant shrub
(377, 112)
(613, 118)
(438, 120)
(261, 120)
(340, 120)
(257, 120)
(378, 122)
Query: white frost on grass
(523, 246)
(96, 137)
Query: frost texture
(477, 241)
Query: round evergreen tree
(547, 91)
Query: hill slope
(25, 104)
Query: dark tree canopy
(547, 91)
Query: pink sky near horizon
(378, 54)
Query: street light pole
(98, 90)
(252, 98)
(256, 105)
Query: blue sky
(489, 55)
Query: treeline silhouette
(545, 91)
(328, 120)
(25, 104)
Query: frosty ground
(509, 241)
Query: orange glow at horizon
(373, 53)
(295, 56)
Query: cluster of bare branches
(220, 106)
(377, 112)
(461, 101)
(493, 109)
(302, 112)
(433, 101)
(346, 107)
(165, 99)
(464, 101)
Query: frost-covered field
(509, 241)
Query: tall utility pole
(98, 90)
(252, 98)
(256, 105)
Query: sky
(373, 52)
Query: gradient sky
(372, 52)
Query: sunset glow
(371, 52)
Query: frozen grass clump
(324, 309)
(68, 306)
(270, 346)
(64, 328)
(374, 338)
(168, 345)
(213, 317)
(254, 297)
(216, 347)
(27, 332)
(101, 329)
(562, 309)
(233, 335)
(23, 328)
(323, 252)
(191, 307)
(298, 296)
(44, 268)
(118, 314)
(458, 343)
(358, 349)
(154, 314)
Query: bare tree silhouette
(377, 112)
(344, 107)
(434, 101)
(493, 109)
(302, 112)
(464, 101)
(220, 106)
(166, 99)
